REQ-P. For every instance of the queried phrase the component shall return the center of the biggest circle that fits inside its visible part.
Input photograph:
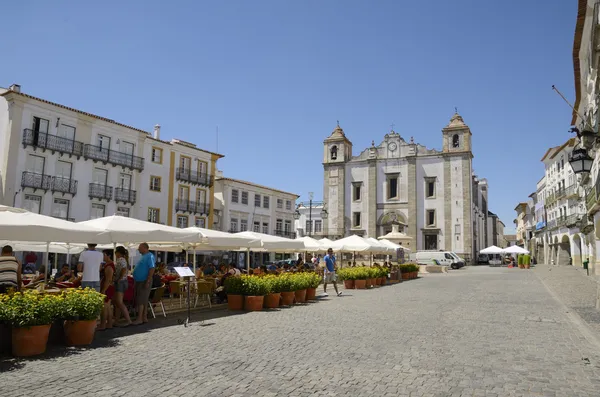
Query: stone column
(412, 202)
(372, 200)
(448, 235)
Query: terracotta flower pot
(360, 284)
(235, 302)
(311, 294)
(415, 275)
(5, 339)
(79, 333)
(528, 266)
(405, 276)
(253, 303)
(30, 341)
(382, 281)
(272, 300)
(287, 298)
(349, 284)
(300, 296)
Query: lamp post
(580, 161)
(310, 204)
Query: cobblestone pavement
(575, 289)
(473, 332)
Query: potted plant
(300, 285)
(5, 331)
(313, 280)
(30, 315)
(273, 284)
(346, 275)
(360, 275)
(80, 310)
(287, 289)
(405, 270)
(234, 288)
(254, 289)
(527, 261)
(520, 261)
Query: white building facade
(310, 220)
(63, 162)
(245, 206)
(429, 192)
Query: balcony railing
(562, 221)
(64, 185)
(100, 191)
(198, 178)
(36, 181)
(590, 198)
(552, 224)
(195, 207)
(560, 193)
(572, 219)
(550, 199)
(125, 195)
(97, 153)
(54, 143)
(285, 233)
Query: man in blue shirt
(142, 275)
(330, 276)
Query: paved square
(474, 332)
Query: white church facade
(428, 193)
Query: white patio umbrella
(384, 248)
(326, 243)
(311, 245)
(33, 246)
(17, 224)
(130, 230)
(492, 250)
(273, 243)
(515, 249)
(355, 243)
(393, 245)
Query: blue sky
(274, 76)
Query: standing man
(330, 276)
(142, 275)
(90, 261)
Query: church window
(455, 141)
(356, 219)
(392, 190)
(334, 150)
(431, 218)
(430, 187)
(356, 191)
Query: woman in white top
(121, 285)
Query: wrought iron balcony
(64, 185)
(285, 233)
(573, 219)
(195, 207)
(126, 160)
(97, 153)
(198, 178)
(552, 224)
(125, 195)
(100, 191)
(36, 181)
(54, 143)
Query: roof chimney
(15, 88)
(156, 134)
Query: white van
(443, 258)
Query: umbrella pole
(194, 260)
(56, 261)
(46, 262)
(248, 261)
(114, 252)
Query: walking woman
(121, 285)
(107, 288)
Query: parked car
(483, 259)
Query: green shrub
(313, 280)
(253, 286)
(234, 285)
(286, 282)
(81, 304)
(31, 308)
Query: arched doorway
(564, 251)
(576, 251)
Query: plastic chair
(175, 287)
(157, 294)
(204, 288)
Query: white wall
(430, 167)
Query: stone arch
(334, 152)
(563, 256)
(386, 220)
(455, 141)
(576, 250)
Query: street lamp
(310, 203)
(580, 161)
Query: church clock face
(392, 146)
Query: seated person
(40, 277)
(64, 275)
(209, 270)
(272, 267)
(162, 269)
(29, 268)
